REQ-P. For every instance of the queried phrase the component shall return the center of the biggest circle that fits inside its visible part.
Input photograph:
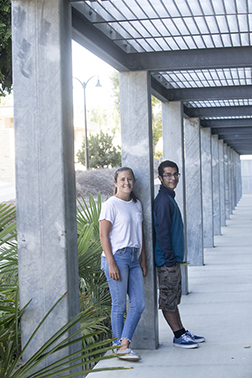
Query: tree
(156, 113)
(156, 124)
(116, 95)
(101, 152)
(5, 48)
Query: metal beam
(245, 140)
(224, 111)
(212, 93)
(240, 147)
(201, 94)
(239, 142)
(95, 41)
(224, 123)
(228, 57)
(156, 61)
(232, 130)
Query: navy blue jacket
(169, 229)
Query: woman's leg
(118, 292)
(136, 297)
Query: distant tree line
(101, 151)
(5, 48)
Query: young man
(169, 253)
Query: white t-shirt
(126, 218)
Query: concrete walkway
(219, 307)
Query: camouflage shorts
(169, 287)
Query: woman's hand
(105, 228)
(143, 262)
(114, 271)
(144, 267)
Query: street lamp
(84, 85)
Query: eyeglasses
(168, 176)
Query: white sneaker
(127, 355)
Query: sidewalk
(218, 307)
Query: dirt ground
(98, 180)
(95, 181)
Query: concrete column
(193, 191)
(222, 184)
(216, 185)
(226, 177)
(207, 190)
(173, 149)
(45, 177)
(238, 178)
(230, 181)
(233, 178)
(136, 131)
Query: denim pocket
(121, 252)
(103, 262)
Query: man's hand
(170, 268)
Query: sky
(85, 65)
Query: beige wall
(7, 144)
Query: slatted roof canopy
(197, 51)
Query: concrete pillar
(226, 177)
(222, 184)
(45, 177)
(193, 191)
(230, 181)
(238, 178)
(216, 185)
(136, 131)
(173, 149)
(207, 190)
(233, 178)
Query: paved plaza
(219, 307)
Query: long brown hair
(122, 169)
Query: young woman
(124, 259)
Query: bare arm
(143, 258)
(105, 228)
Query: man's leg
(173, 319)
(169, 298)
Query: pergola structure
(195, 56)
(197, 52)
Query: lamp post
(84, 85)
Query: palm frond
(94, 298)
(7, 223)
(65, 366)
(89, 214)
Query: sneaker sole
(128, 358)
(192, 346)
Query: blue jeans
(131, 283)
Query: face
(171, 182)
(124, 183)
